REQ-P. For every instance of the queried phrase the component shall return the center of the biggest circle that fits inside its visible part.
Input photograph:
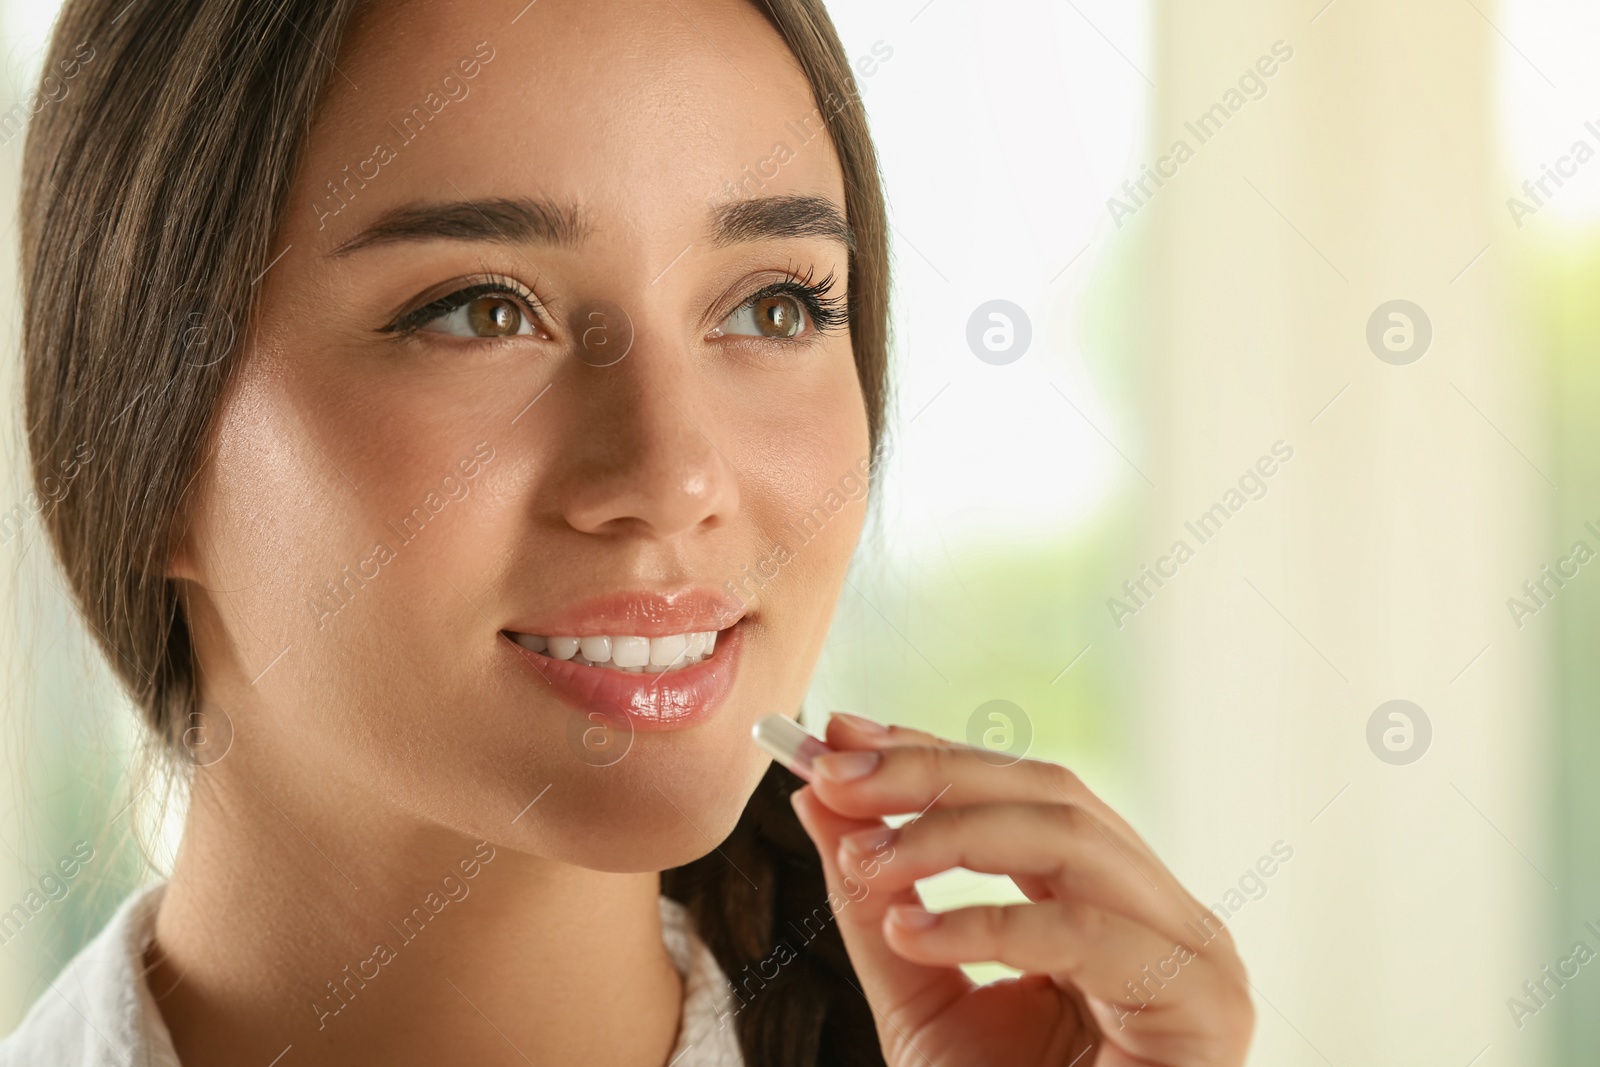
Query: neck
(369, 938)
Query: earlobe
(181, 561)
(180, 567)
(188, 525)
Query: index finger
(896, 779)
(846, 731)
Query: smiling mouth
(629, 653)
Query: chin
(653, 809)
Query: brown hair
(152, 190)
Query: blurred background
(1243, 449)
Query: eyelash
(826, 309)
(411, 322)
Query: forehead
(644, 112)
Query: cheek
(806, 523)
(327, 533)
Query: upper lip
(643, 613)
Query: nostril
(634, 447)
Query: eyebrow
(530, 220)
(524, 220)
(781, 216)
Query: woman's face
(508, 378)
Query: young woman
(451, 370)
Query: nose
(639, 454)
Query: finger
(1152, 993)
(867, 783)
(848, 731)
(1053, 845)
(845, 730)
(903, 994)
(897, 779)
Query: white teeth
(665, 651)
(630, 651)
(633, 654)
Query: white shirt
(99, 1011)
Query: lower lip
(671, 700)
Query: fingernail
(846, 766)
(914, 918)
(870, 840)
(787, 742)
(862, 723)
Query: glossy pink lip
(641, 614)
(671, 700)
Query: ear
(181, 560)
(182, 566)
(184, 557)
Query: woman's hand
(1122, 966)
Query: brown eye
(475, 312)
(494, 316)
(779, 315)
